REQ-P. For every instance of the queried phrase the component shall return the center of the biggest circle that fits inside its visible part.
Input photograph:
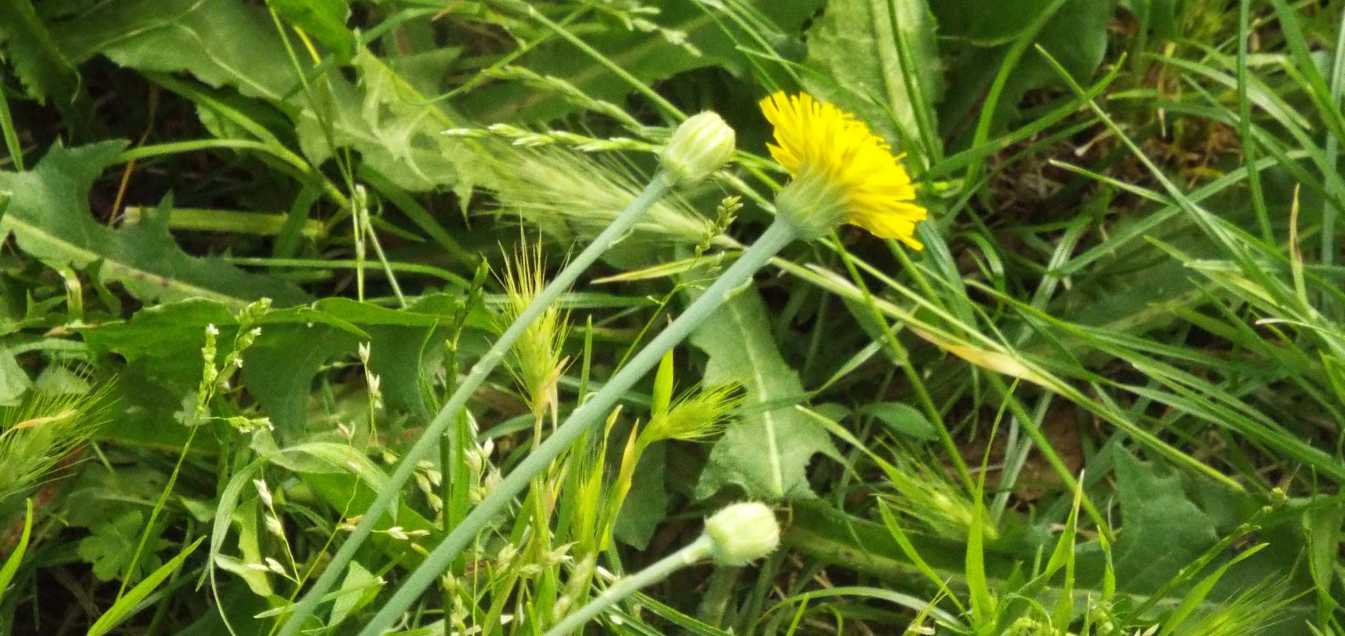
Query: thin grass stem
(690, 554)
(776, 237)
(448, 414)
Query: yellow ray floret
(817, 140)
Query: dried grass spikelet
(570, 195)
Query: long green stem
(428, 440)
(776, 237)
(689, 555)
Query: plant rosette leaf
(767, 452)
(1076, 36)
(874, 59)
(227, 43)
(113, 542)
(50, 219)
(1162, 531)
(325, 20)
(279, 368)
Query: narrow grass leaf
(127, 605)
(11, 566)
(765, 453)
(1200, 591)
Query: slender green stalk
(1332, 142)
(776, 237)
(232, 221)
(448, 414)
(1245, 126)
(10, 134)
(668, 108)
(689, 555)
(1011, 59)
(132, 566)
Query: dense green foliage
(251, 247)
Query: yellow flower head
(842, 171)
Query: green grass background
(1107, 397)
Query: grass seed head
(40, 431)
(928, 496)
(538, 355)
(696, 416)
(568, 194)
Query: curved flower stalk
(843, 173)
(679, 168)
(737, 535)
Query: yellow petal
(816, 138)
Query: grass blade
(127, 605)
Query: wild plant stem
(448, 414)
(661, 569)
(775, 238)
(719, 592)
(132, 567)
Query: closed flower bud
(743, 532)
(700, 146)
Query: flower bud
(743, 532)
(700, 146)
